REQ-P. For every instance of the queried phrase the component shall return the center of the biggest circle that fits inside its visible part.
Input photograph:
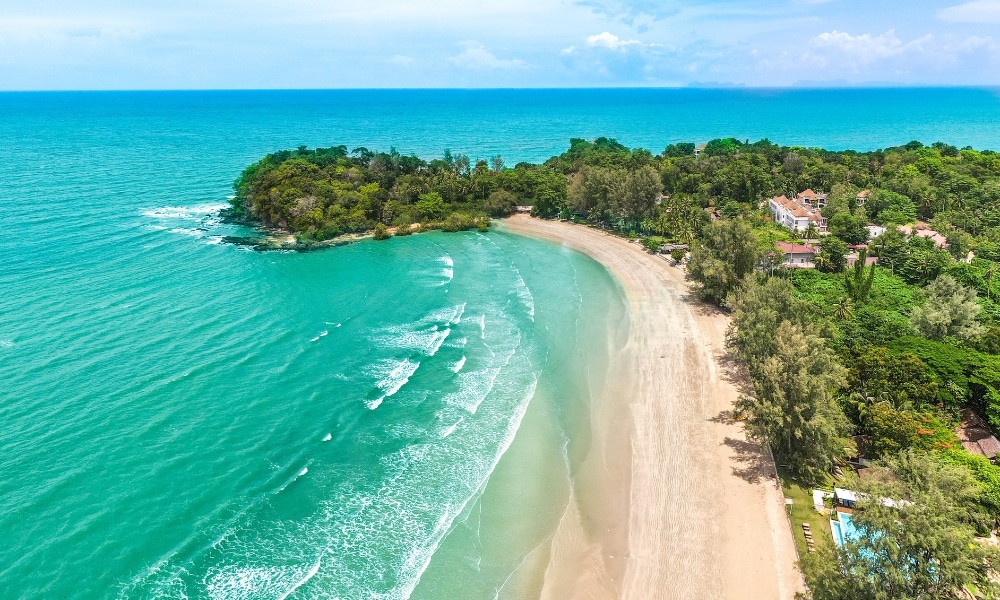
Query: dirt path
(705, 518)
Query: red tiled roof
(795, 248)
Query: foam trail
(312, 573)
(394, 380)
(525, 295)
(451, 428)
(436, 345)
(303, 471)
(327, 438)
(458, 366)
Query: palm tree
(988, 276)
(857, 281)
(843, 310)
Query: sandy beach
(672, 501)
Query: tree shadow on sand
(735, 373)
(752, 463)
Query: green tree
(950, 309)
(431, 206)
(641, 188)
(757, 308)
(858, 279)
(501, 203)
(902, 379)
(728, 251)
(793, 410)
(381, 232)
(832, 255)
(849, 228)
(889, 208)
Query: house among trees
(862, 196)
(800, 256)
(922, 230)
(699, 149)
(800, 212)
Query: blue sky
(136, 44)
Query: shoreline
(672, 501)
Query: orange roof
(864, 193)
(807, 194)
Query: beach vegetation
(381, 232)
(868, 364)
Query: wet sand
(672, 501)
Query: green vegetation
(328, 192)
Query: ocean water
(181, 418)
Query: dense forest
(874, 364)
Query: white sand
(672, 501)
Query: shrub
(381, 232)
(650, 243)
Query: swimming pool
(843, 529)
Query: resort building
(799, 212)
(699, 149)
(800, 256)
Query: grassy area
(803, 512)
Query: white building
(799, 212)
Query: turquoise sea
(181, 418)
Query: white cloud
(867, 47)
(610, 41)
(476, 56)
(978, 11)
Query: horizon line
(707, 87)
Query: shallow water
(184, 418)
